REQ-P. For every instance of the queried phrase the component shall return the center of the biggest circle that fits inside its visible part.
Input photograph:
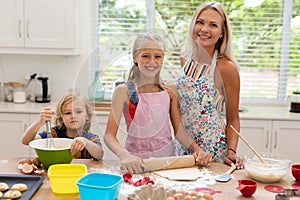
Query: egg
(188, 197)
(36, 161)
(25, 160)
(27, 168)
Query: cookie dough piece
(3, 186)
(12, 194)
(19, 186)
(1, 194)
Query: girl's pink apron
(149, 134)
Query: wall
(64, 72)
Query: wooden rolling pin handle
(173, 162)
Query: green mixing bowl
(49, 156)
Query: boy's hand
(78, 144)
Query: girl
(73, 120)
(146, 105)
(206, 86)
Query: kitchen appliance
(42, 90)
(295, 102)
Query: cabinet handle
(25, 127)
(267, 143)
(275, 145)
(27, 29)
(20, 33)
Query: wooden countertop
(10, 166)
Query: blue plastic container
(98, 185)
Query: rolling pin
(173, 162)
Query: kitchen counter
(248, 111)
(227, 189)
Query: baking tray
(33, 182)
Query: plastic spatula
(227, 175)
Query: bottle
(96, 89)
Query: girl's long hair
(139, 44)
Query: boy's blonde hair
(70, 98)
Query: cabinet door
(286, 140)
(50, 23)
(99, 127)
(12, 129)
(11, 23)
(257, 133)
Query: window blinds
(266, 41)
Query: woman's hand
(231, 157)
(202, 158)
(132, 164)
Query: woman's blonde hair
(224, 43)
(139, 44)
(70, 98)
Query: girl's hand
(231, 157)
(132, 164)
(78, 144)
(202, 158)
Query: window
(266, 41)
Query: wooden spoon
(249, 145)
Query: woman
(209, 83)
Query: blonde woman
(208, 84)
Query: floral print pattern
(198, 102)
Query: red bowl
(296, 171)
(247, 187)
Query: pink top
(149, 133)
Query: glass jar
(19, 94)
(96, 89)
(8, 92)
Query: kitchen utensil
(32, 182)
(247, 187)
(173, 162)
(273, 170)
(59, 155)
(102, 185)
(31, 78)
(249, 145)
(63, 177)
(50, 143)
(227, 175)
(296, 171)
(42, 90)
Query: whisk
(50, 141)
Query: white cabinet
(38, 26)
(273, 136)
(286, 139)
(99, 127)
(12, 129)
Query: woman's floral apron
(200, 105)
